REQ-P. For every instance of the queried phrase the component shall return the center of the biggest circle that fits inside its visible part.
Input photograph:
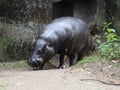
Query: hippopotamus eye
(39, 52)
(43, 49)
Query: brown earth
(92, 76)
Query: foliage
(18, 49)
(109, 47)
(92, 58)
(16, 40)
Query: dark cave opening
(84, 9)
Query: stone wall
(117, 20)
(23, 10)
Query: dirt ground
(91, 76)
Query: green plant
(110, 48)
(89, 59)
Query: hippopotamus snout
(36, 62)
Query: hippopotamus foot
(62, 67)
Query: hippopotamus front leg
(62, 63)
(62, 59)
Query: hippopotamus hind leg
(71, 58)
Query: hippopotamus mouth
(35, 65)
(37, 68)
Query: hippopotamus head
(42, 52)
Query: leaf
(109, 23)
(98, 41)
(113, 30)
(109, 30)
(105, 23)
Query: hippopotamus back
(66, 32)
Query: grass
(12, 65)
(96, 59)
(2, 86)
(87, 60)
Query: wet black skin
(64, 36)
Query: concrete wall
(117, 19)
(83, 9)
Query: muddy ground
(89, 76)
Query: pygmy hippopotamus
(64, 36)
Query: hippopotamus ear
(50, 49)
(33, 41)
(48, 44)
